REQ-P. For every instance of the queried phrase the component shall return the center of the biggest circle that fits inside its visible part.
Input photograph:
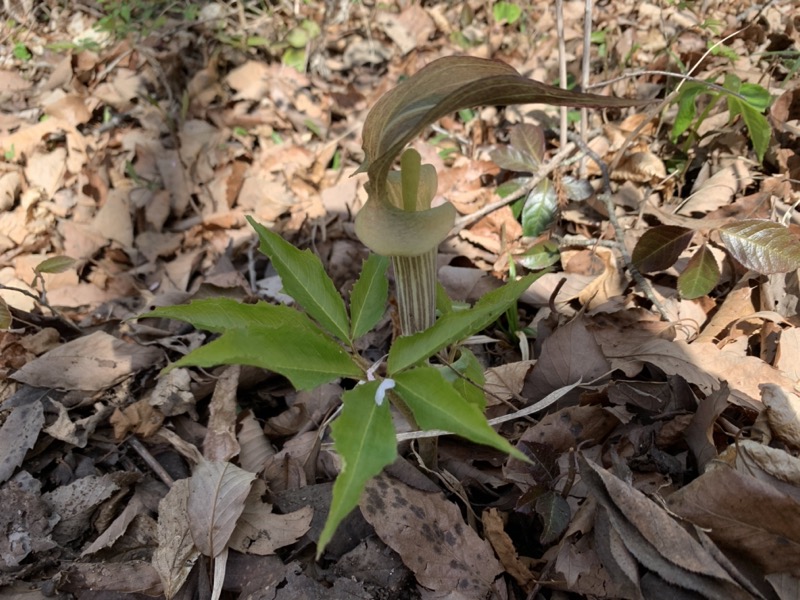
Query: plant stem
(415, 281)
(415, 278)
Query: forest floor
(137, 136)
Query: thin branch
(545, 170)
(562, 67)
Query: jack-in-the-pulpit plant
(315, 342)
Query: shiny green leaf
(763, 246)
(660, 247)
(700, 275)
(540, 209)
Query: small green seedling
(749, 100)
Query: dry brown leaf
(45, 170)
(260, 531)
(18, 435)
(431, 537)
(27, 522)
(75, 503)
(90, 363)
(569, 355)
(718, 190)
(255, 446)
(217, 494)
(700, 432)
(132, 577)
(140, 418)
(747, 516)
(70, 108)
(655, 540)
(505, 382)
(118, 526)
(641, 167)
(773, 466)
(113, 220)
(176, 552)
(783, 413)
(788, 351)
(494, 530)
(409, 30)
(221, 444)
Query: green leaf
(700, 275)
(540, 256)
(305, 280)
(686, 108)
(555, 514)
(277, 338)
(364, 437)
(369, 295)
(437, 405)
(762, 246)
(757, 96)
(222, 314)
(467, 378)
(55, 264)
(660, 247)
(6, 318)
(444, 304)
(758, 128)
(452, 327)
(540, 208)
(506, 11)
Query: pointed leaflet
(217, 492)
(305, 280)
(763, 246)
(55, 264)
(444, 86)
(222, 314)
(364, 437)
(277, 338)
(455, 326)
(299, 351)
(437, 405)
(660, 247)
(368, 298)
(467, 378)
(700, 275)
